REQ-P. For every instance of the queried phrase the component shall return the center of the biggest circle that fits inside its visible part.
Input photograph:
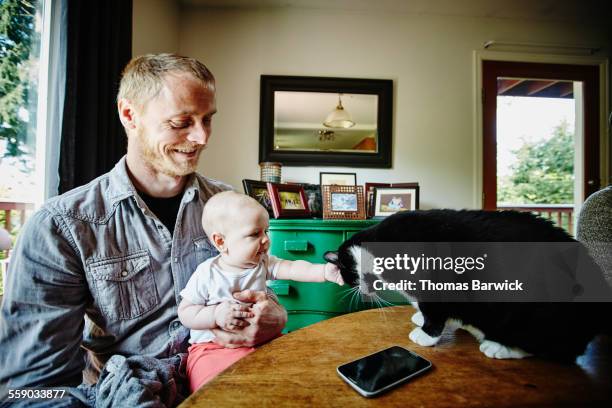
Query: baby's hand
(230, 316)
(332, 274)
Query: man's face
(174, 126)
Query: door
(541, 91)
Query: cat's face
(355, 264)
(349, 259)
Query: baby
(237, 225)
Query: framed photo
(389, 200)
(338, 179)
(343, 202)
(369, 194)
(314, 198)
(288, 200)
(259, 191)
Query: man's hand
(231, 316)
(269, 318)
(332, 274)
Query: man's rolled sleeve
(41, 318)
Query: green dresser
(309, 239)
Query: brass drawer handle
(296, 245)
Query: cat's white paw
(493, 349)
(418, 319)
(421, 338)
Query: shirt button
(175, 259)
(124, 273)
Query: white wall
(429, 58)
(155, 26)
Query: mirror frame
(381, 87)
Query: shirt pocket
(203, 249)
(124, 287)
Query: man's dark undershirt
(166, 209)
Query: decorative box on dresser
(309, 239)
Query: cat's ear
(331, 256)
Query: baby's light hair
(223, 209)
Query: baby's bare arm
(226, 315)
(303, 271)
(195, 316)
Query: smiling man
(100, 267)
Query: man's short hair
(143, 76)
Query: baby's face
(246, 238)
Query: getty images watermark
(485, 271)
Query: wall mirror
(313, 121)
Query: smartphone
(380, 371)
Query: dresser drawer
(305, 245)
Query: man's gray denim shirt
(97, 251)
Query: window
(28, 106)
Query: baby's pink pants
(206, 360)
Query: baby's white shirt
(210, 285)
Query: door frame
(604, 147)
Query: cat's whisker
(358, 299)
(353, 294)
(345, 293)
(383, 310)
(379, 306)
(383, 301)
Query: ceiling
(543, 10)
(535, 88)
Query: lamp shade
(339, 118)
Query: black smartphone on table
(382, 370)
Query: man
(120, 249)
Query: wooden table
(299, 370)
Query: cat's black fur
(556, 330)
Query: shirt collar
(121, 186)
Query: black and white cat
(504, 330)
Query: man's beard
(166, 164)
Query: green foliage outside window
(544, 172)
(18, 76)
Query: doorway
(540, 137)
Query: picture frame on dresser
(369, 196)
(340, 179)
(288, 200)
(369, 193)
(259, 191)
(343, 202)
(315, 199)
(390, 200)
